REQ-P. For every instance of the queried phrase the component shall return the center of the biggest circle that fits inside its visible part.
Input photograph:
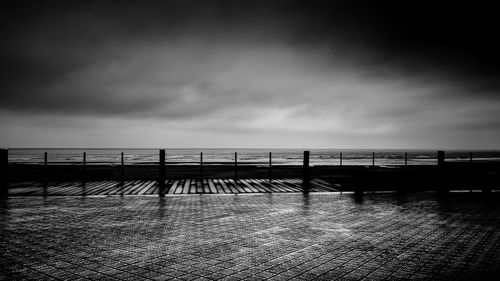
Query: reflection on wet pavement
(255, 237)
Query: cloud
(252, 68)
(245, 86)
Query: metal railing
(200, 167)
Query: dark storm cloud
(349, 68)
(47, 44)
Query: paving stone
(320, 236)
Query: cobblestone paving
(316, 236)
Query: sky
(250, 74)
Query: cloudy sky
(291, 74)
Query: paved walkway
(323, 236)
(173, 186)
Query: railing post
(84, 167)
(122, 173)
(235, 167)
(372, 175)
(161, 174)
(270, 167)
(84, 178)
(201, 165)
(440, 158)
(122, 169)
(4, 173)
(305, 168)
(470, 178)
(45, 173)
(340, 158)
(405, 175)
(442, 172)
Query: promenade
(274, 236)
(172, 186)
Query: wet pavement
(317, 236)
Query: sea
(112, 156)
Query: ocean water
(247, 156)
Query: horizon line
(242, 148)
